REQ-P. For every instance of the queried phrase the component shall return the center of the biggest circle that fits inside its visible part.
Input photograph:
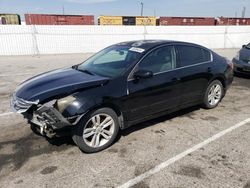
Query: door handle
(175, 79)
(209, 69)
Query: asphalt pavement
(29, 160)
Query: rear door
(196, 68)
(156, 94)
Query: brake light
(230, 63)
(237, 57)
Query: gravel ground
(28, 160)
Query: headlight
(62, 104)
(237, 57)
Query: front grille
(20, 105)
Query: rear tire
(213, 95)
(96, 131)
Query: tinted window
(160, 60)
(206, 55)
(189, 55)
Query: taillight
(230, 63)
(237, 57)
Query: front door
(159, 93)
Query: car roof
(149, 44)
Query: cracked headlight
(64, 102)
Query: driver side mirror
(143, 74)
(244, 46)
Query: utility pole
(63, 11)
(244, 12)
(142, 8)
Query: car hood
(57, 82)
(245, 54)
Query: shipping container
(2, 21)
(10, 19)
(187, 21)
(157, 21)
(53, 19)
(110, 20)
(146, 20)
(232, 21)
(128, 20)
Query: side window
(206, 55)
(159, 60)
(112, 56)
(190, 55)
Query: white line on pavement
(5, 114)
(21, 74)
(168, 162)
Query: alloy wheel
(98, 130)
(214, 95)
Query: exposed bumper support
(48, 119)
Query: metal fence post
(145, 30)
(225, 36)
(34, 41)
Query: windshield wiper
(82, 70)
(85, 71)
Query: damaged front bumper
(19, 105)
(47, 118)
(50, 120)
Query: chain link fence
(36, 40)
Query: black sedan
(242, 60)
(120, 86)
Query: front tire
(97, 131)
(213, 95)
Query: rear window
(190, 55)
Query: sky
(213, 8)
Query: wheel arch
(223, 82)
(115, 108)
(221, 79)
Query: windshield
(248, 46)
(111, 62)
